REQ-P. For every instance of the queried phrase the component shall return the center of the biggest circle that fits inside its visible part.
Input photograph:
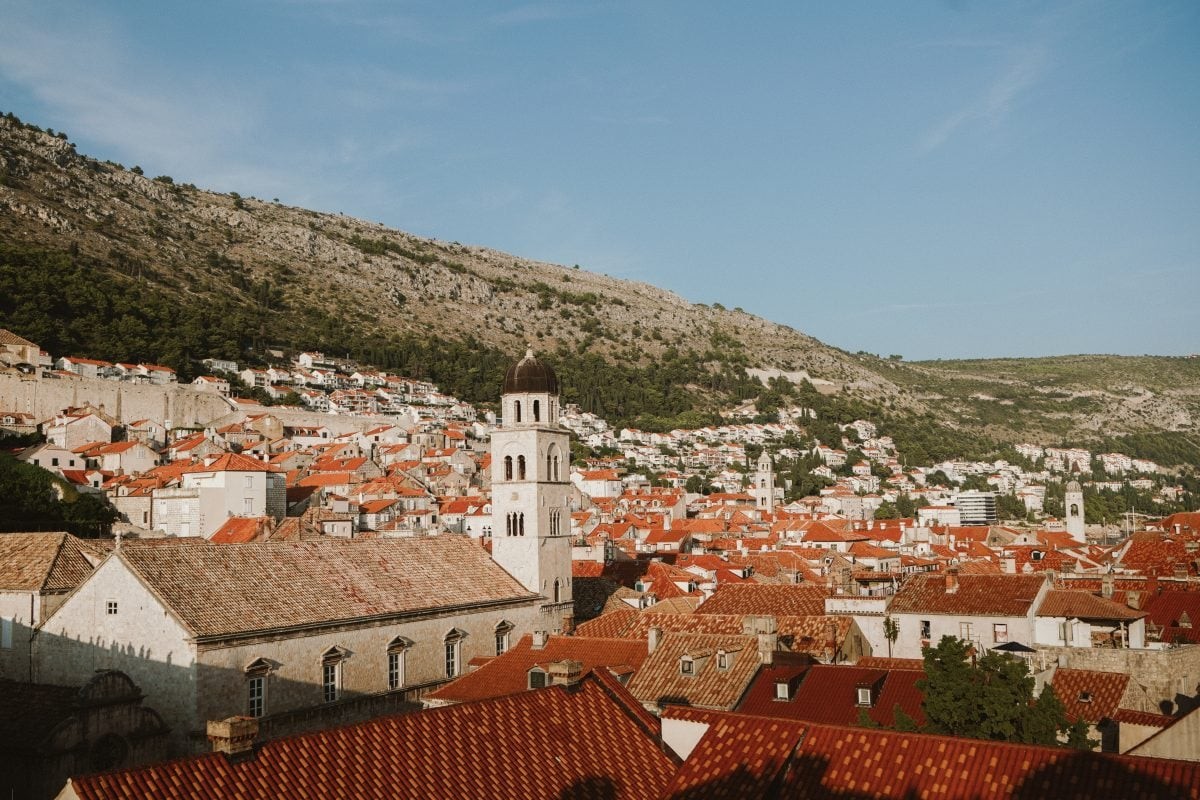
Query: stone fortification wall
(126, 402)
(1169, 676)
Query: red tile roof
(1088, 695)
(828, 693)
(508, 673)
(551, 743)
(807, 760)
(45, 562)
(998, 595)
(232, 462)
(1084, 605)
(771, 599)
(660, 681)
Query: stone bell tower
(531, 489)
(764, 484)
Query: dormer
(725, 660)
(864, 696)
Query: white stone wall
(908, 643)
(141, 639)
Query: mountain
(100, 260)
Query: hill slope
(101, 260)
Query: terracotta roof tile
(549, 744)
(1088, 695)
(780, 599)
(225, 589)
(45, 562)
(508, 673)
(998, 595)
(1084, 605)
(661, 681)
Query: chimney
(653, 637)
(233, 736)
(565, 673)
(951, 580)
(1133, 600)
(539, 640)
(1008, 563)
(1106, 586)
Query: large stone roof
(226, 589)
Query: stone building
(297, 634)
(531, 490)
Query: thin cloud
(995, 104)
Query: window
(999, 632)
(503, 629)
(54, 462)
(964, 631)
(247, 505)
(331, 673)
(925, 629)
(686, 666)
(557, 591)
(722, 660)
(453, 652)
(537, 678)
(537, 411)
(249, 481)
(517, 411)
(508, 473)
(783, 691)
(864, 695)
(256, 687)
(397, 657)
(520, 468)
(6, 633)
(1085, 697)
(110, 607)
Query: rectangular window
(54, 462)
(249, 481)
(396, 669)
(451, 659)
(110, 608)
(864, 695)
(330, 678)
(964, 631)
(6, 633)
(537, 679)
(501, 643)
(999, 632)
(256, 688)
(925, 626)
(782, 691)
(248, 506)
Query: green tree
(988, 697)
(891, 632)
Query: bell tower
(531, 490)
(764, 484)
(1073, 511)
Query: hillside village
(346, 570)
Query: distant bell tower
(1073, 510)
(531, 490)
(764, 484)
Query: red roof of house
(232, 462)
(769, 599)
(828, 693)
(1089, 695)
(240, 529)
(550, 743)
(980, 595)
(744, 756)
(508, 673)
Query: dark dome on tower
(530, 375)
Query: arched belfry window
(537, 410)
(520, 468)
(508, 473)
(557, 591)
(521, 524)
(549, 463)
(516, 411)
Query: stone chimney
(1134, 600)
(565, 673)
(766, 630)
(1106, 586)
(233, 736)
(539, 640)
(951, 580)
(653, 637)
(1008, 563)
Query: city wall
(124, 401)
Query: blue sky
(948, 179)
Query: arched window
(537, 410)
(256, 687)
(557, 591)
(508, 468)
(556, 466)
(503, 630)
(549, 461)
(520, 468)
(453, 651)
(331, 673)
(516, 411)
(397, 655)
(521, 524)
(1074, 510)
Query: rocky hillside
(279, 275)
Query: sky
(928, 179)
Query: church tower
(531, 490)
(764, 484)
(1073, 510)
